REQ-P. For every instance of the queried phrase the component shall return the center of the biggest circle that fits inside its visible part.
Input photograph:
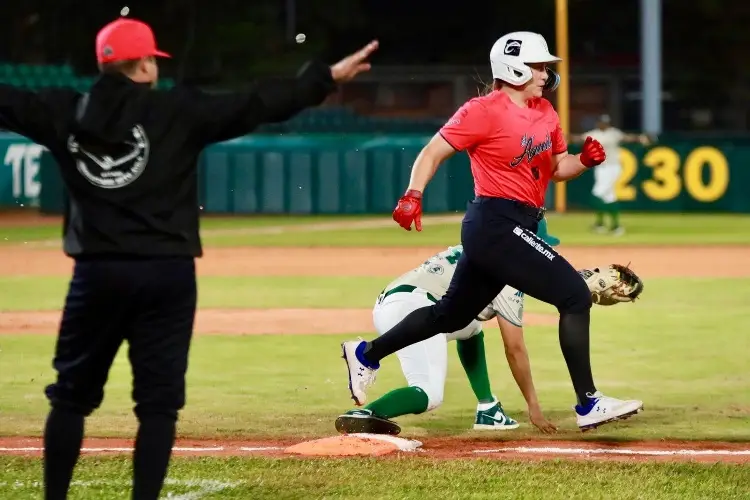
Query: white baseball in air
(125, 11)
(300, 38)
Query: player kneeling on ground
(424, 364)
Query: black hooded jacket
(128, 154)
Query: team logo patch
(435, 268)
(512, 48)
(119, 167)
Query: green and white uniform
(606, 174)
(425, 363)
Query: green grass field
(684, 349)
(642, 229)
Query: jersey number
(535, 172)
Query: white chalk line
(202, 487)
(614, 451)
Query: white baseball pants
(605, 180)
(424, 364)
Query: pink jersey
(511, 148)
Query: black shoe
(363, 421)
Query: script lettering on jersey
(530, 150)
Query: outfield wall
(359, 174)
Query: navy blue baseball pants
(148, 303)
(500, 248)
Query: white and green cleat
(492, 417)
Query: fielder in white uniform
(425, 364)
(606, 174)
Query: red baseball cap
(125, 39)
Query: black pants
(501, 248)
(149, 303)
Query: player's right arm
(32, 114)
(466, 128)
(429, 159)
(520, 367)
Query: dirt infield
(245, 321)
(650, 262)
(379, 262)
(441, 448)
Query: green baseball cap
(543, 234)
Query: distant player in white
(606, 174)
(425, 364)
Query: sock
(473, 359)
(63, 437)
(153, 449)
(574, 342)
(614, 213)
(598, 205)
(415, 327)
(402, 401)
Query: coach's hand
(409, 209)
(354, 64)
(592, 153)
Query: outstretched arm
(228, 115)
(30, 114)
(644, 139)
(520, 367)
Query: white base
(401, 443)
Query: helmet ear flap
(553, 80)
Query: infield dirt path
(650, 262)
(380, 262)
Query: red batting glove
(592, 153)
(409, 209)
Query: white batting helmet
(512, 52)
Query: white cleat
(602, 409)
(360, 376)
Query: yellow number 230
(666, 183)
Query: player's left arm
(644, 139)
(520, 367)
(565, 166)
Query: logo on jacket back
(113, 169)
(530, 150)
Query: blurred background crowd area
(433, 56)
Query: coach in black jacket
(128, 157)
